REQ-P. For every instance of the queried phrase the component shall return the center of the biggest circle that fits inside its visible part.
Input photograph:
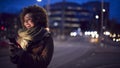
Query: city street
(85, 32)
(76, 53)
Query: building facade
(65, 17)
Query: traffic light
(2, 28)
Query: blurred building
(67, 16)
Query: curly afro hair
(39, 15)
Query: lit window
(72, 25)
(84, 13)
(56, 12)
(72, 19)
(70, 13)
(56, 18)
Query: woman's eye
(25, 20)
(29, 20)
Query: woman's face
(28, 23)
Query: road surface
(76, 53)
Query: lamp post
(102, 17)
(48, 11)
(63, 20)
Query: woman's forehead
(28, 15)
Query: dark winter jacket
(37, 55)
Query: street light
(39, 0)
(55, 24)
(97, 17)
(103, 10)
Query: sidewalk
(4, 51)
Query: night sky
(14, 6)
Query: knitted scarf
(26, 36)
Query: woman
(33, 47)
